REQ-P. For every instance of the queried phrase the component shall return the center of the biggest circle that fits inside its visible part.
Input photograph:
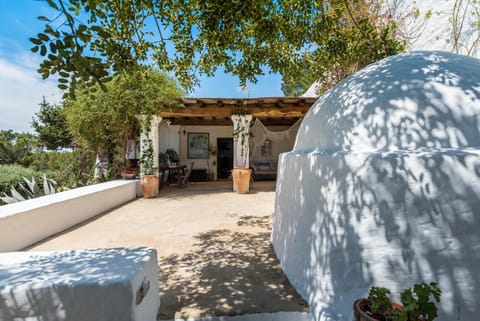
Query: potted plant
(149, 180)
(416, 304)
(241, 174)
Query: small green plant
(416, 302)
(146, 160)
(379, 301)
(30, 190)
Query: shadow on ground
(202, 188)
(227, 273)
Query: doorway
(224, 157)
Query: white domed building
(382, 187)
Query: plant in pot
(149, 180)
(416, 304)
(241, 173)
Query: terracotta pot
(241, 179)
(149, 184)
(360, 308)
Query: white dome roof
(410, 101)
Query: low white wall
(349, 220)
(25, 223)
(118, 284)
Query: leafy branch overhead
(87, 40)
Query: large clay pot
(149, 184)
(241, 179)
(360, 306)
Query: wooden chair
(185, 178)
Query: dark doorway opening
(224, 157)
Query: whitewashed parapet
(25, 223)
(118, 284)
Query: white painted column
(241, 129)
(153, 134)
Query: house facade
(207, 130)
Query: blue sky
(22, 88)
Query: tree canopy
(51, 126)
(105, 120)
(90, 38)
(16, 147)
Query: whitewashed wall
(346, 221)
(25, 223)
(383, 187)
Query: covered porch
(202, 131)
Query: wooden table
(172, 174)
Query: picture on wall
(197, 145)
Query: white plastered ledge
(79, 285)
(25, 223)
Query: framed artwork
(197, 144)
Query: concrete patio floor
(214, 251)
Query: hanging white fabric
(266, 144)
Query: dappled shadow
(255, 221)
(227, 273)
(205, 188)
(387, 193)
(67, 285)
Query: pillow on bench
(262, 166)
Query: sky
(22, 88)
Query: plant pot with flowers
(241, 174)
(416, 304)
(149, 180)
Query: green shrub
(12, 175)
(63, 167)
(31, 188)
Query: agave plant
(30, 190)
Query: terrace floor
(214, 251)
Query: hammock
(266, 145)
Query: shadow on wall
(228, 273)
(429, 100)
(383, 188)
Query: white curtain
(280, 141)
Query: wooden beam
(201, 122)
(227, 111)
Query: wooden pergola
(279, 111)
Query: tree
(360, 33)
(88, 39)
(16, 147)
(51, 126)
(106, 120)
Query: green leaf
(52, 4)
(35, 41)
(42, 18)
(43, 50)
(43, 37)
